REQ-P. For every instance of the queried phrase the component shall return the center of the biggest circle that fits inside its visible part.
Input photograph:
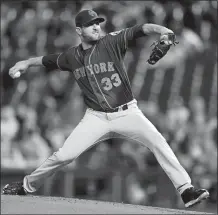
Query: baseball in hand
(17, 74)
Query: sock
(183, 187)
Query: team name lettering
(103, 67)
(82, 71)
(94, 69)
(110, 66)
(90, 69)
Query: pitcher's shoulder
(112, 34)
(71, 50)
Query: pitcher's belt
(121, 107)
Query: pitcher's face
(91, 32)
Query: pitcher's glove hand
(161, 47)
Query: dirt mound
(58, 205)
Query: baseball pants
(98, 126)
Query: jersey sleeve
(123, 38)
(56, 61)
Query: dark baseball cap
(84, 17)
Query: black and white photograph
(108, 107)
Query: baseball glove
(161, 47)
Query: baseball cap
(84, 17)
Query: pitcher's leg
(137, 127)
(89, 131)
(33, 181)
(171, 165)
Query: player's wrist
(35, 61)
(166, 31)
(27, 63)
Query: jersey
(100, 71)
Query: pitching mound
(58, 205)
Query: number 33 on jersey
(110, 82)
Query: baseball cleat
(192, 196)
(15, 188)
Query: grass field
(59, 205)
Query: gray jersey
(100, 70)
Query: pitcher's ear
(79, 30)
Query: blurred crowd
(178, 94)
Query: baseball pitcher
(97, 64)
